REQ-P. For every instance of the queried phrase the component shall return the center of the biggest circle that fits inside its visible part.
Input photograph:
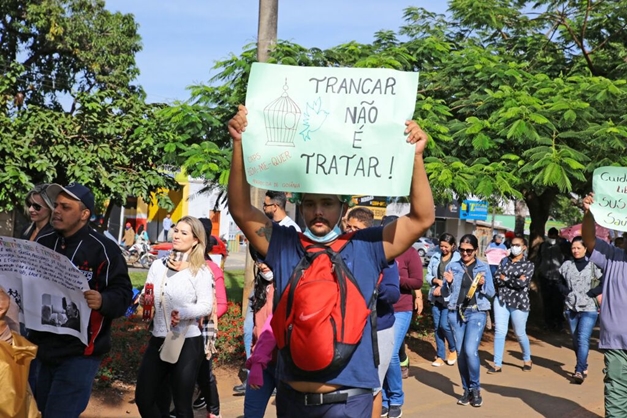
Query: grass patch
(138, 278)
(234, 283)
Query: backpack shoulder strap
(341, 241)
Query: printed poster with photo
(46, 286)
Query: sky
(183, 39)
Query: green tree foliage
(200, 121)
(534, 87)
(69, 109)
(522, 100)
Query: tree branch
(580, 44)
(585, 22)
(602, 44)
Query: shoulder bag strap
(164, 305)
(473, 284)
(162, 296)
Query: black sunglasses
(35, 206)
(466, 250)
(269, 204)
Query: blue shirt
(613, 262)
(389, 292)
(500, 246)
(432, 271)
(365, 258)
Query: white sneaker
(438, 362)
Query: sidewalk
(545, 391)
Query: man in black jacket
(67, 367)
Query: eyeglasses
(466, 250)
(269, 204)
(35, 206)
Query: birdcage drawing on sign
(281, 118)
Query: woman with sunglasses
(468, 284)
(39, 209)
(512, 280)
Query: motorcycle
(148, 258)
(135, 252)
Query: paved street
(545, 391)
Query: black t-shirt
(441, 270)
(467, 279)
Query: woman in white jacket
(182, 293)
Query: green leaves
(107, 137)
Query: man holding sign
(67, 366)
(347, 391)
(613, 338)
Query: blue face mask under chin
(330, 236)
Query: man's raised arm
(398, 236)
(588, 227)
(254, 223)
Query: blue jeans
(63, 389)
(581, 325)
(442, 330)
(256, 400)
(493, 269)
(249, 323)
(502, 314)
(467, 339)
(393, 383)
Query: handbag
(470, 294)
(594, 283)
(209, 327)
(172, 346)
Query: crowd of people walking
(356, 368)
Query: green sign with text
(329, 130)
(610, 197)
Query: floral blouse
(512, 291)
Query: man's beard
(270, 215)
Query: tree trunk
(539, 207)
(101, 227)
(266, 39)
(519, 211)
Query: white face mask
(516, 250)
(551, 241)
(267, 276)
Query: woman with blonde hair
(39, 209)
(182, 288)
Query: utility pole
(266, 39)
(267, 29)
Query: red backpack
(321, 314)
